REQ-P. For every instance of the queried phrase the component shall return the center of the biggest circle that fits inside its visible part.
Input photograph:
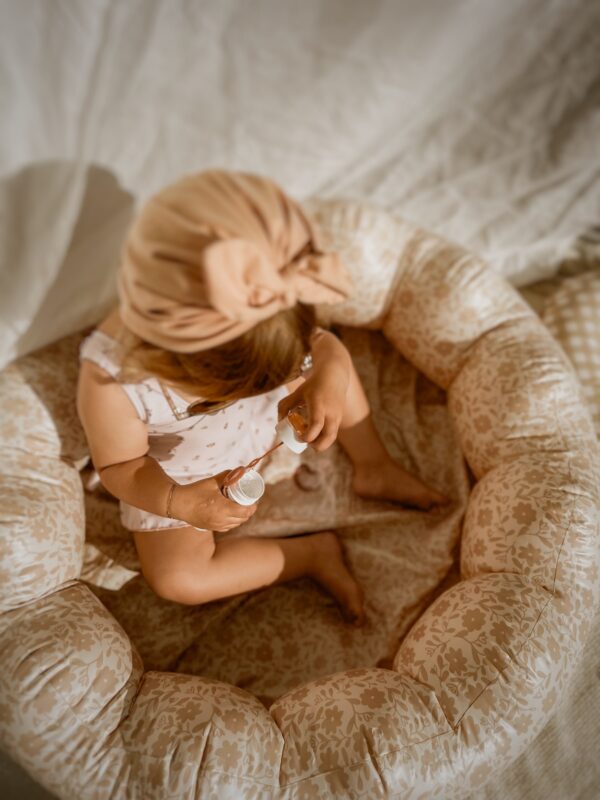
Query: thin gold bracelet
(169, 498)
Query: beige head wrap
(216, 252)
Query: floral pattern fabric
(476, 616)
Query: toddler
(213, 341)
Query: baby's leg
(187, 566)
(376, 474)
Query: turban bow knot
(244, 284)
(214, 254)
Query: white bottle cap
(248, 489)
(287, 434)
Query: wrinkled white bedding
(480, 121)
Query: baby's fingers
(327, 436)
(233, 520)
(314, 427)
(242, 513)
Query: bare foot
(388, 481)
(331, 572)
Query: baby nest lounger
(477, 675)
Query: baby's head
(219, 275)
(261, 359)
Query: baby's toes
(429, 499)
(352, 603)
(354, 612)
(440, 499)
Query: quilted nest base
(272, 640)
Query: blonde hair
(263, 358)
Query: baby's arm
(328, 351)
(323, 391)
(118, 441)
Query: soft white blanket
(479, 121)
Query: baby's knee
(180, 586)
(178, 572)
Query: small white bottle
(287, 434)
(248, 489)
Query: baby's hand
(323, 394)
(203, 505)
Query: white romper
(188, 447)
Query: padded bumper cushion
(471, 684)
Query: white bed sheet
(478, 120)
